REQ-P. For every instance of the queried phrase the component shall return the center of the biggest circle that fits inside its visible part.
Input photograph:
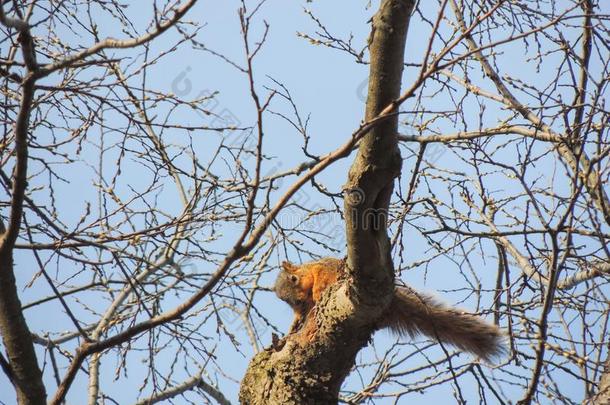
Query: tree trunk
(22, 364)
(312, 373)
(22, 367)
(603, 394)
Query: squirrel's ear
(289, 267)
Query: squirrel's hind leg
(297, 324)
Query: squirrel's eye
(294, 278)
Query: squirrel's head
(288, 286)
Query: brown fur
(410, 313)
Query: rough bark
(296, 373)
(23, 365)
(371, 177)
(603, 394)
(23, 368)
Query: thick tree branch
(603, 389)
(371, 177)
(468, 135)
(299, 373)
(16, 336)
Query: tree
(140, 227)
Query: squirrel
(410, 313)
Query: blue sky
(326, 85)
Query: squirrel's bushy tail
(414, 313)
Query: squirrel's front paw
(276, 343)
